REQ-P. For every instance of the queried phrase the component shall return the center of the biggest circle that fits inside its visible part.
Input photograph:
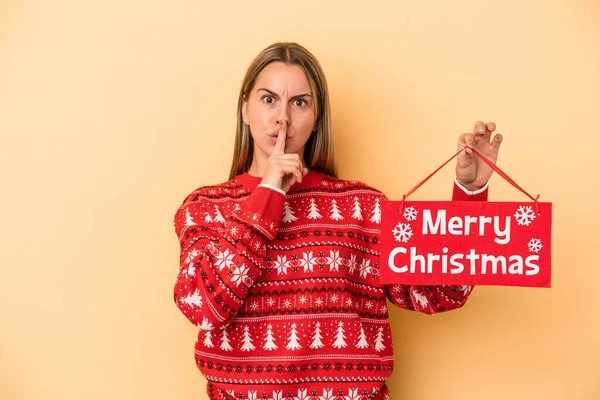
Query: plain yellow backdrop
(112, 111)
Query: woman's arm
(219, 261)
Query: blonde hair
(318, 152)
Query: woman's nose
(283, 115)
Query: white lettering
(468, 221)
(472, 256)
(485, 258)
(502, 233)
(459, 266)
(535, 269)
(414, 257)
(455, 226)
(440, 222)
(445, 261)
(391, 263)
(516, 268)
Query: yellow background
(112, 111)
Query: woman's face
(281, 92)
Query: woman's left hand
(471, 171)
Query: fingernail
(492, 127)
(481, 129)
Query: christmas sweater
(285, 289)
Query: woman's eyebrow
(272, 93)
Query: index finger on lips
(280, 144)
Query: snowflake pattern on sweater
(285, 289)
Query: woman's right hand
(283, 170)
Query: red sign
(466, 243)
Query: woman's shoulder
(216, 192)
(353, 187)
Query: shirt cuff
(274, 188)
(464, 189)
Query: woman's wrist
(469, 188)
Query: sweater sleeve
(219, 261)
(430, 299)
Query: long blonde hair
(318, 152)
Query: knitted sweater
(285, 289)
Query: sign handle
(488, 162)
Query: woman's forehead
(280, 77)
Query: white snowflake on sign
(303, 299)
(535, 245)
(410, 213)
(240, 275)
(402, 232)
(524, 215)
(287, 303)
(270, 302)
(334, 298)
(319, 302)
(254, 306)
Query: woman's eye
(268, 99)
(299, 102)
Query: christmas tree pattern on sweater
(285, 289)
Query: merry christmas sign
(466, 242)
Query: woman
(279, 265)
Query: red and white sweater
(285, 289)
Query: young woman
(279, 265)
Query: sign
(466, 243)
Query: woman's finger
(466, 140)
(480, 132)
